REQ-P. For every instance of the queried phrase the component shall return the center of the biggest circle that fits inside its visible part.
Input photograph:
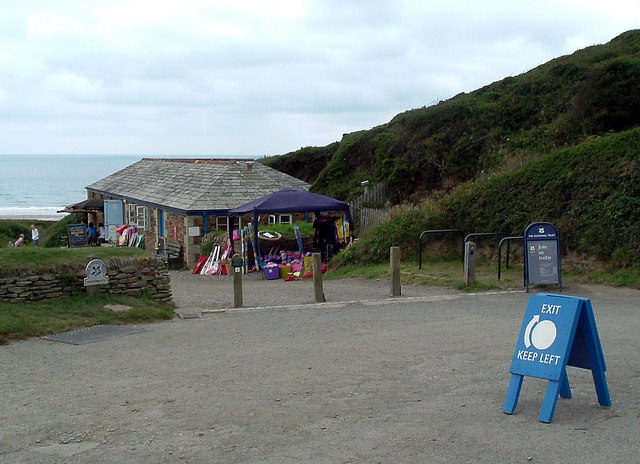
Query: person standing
(92, 235)
(35, 235)
(101, 233)
(325, 234)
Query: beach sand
(34, 217)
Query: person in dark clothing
(325, 233)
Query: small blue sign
(557, 331)
(542, 256)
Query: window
(280, 218)
(139, 216)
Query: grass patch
(439, 273)
(46, 259)
(603, 274)
(38, 319)
(10, 230)
(449, 274)
(286, 230)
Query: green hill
(591, 192)
(498, 127)
(560, 143)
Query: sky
(266, 77)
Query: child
(35, 235)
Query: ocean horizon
(37, 186)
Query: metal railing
(427, 232)
(478, 234)
(508, 240)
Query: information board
(542, 257)
(557, 331)
(77, 235)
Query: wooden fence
(372, 217)
(370, 209)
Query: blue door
(161, 221)
(113, 218)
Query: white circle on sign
(544, 334)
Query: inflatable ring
(268, 235)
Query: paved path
(419, 379)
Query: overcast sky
(254, 78)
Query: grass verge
(47, 259)
(449, 274)
(38, 319)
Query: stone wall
(127, 276)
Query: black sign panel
(77, 235)
(542, 258)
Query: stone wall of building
(127, 276)
(175, 229)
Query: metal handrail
(478, 234)
(508, 240)
(435, 231)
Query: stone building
(180, 200)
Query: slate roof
(195, 185)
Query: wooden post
(236, 266)
(317, 278)
(395, 271)
(469, 263)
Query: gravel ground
(363, 378)
(195, 293)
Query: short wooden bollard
(469, 263)
(236, 266)
(395, 271)
(317, 278)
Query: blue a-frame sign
(558, 331)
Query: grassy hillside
(591, 192)
(497, 128)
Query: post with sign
(469, 263)
(236, 264)
(542, 259)
(557, 331)
(96, 276)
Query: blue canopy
(292, 201)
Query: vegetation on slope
(559, 143)
(497, 128)
(591, 192)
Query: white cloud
(261, 77)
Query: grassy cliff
(560, 143)
(591, 192)
(496, 128)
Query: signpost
(236, 263)
(557, 331)
(542, 263)
(96, 275)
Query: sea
(38, 186)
